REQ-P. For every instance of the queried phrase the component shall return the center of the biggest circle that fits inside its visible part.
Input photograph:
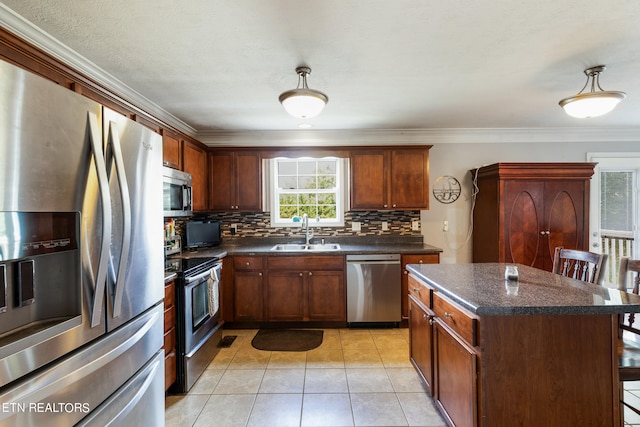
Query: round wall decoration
(446, 189)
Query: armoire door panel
(523, 219)
(563, 223)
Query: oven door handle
(198, 278)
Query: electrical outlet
(385, 226)
(415, 225)
(234, 229)
(355, 226)
(445, 225)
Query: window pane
(287, 167)
(326, 181)
(307, 182)
(616, 197)
(307, 186)
(288, 182)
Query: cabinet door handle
(259, 274)
(310, 274)
(394, 205)
(248, 264)
(300, 274)
(448, 315)
(424, 316)
(416, 289)
(420, 262)
(384, 206)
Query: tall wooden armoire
(524, 210)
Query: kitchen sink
(301, 247)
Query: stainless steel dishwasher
(374, 289)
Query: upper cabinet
(171, 150)
(195, 163)
(394, 179)
(235, 180)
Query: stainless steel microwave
(176, 193)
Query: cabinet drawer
(169, 341)
(421, 259)
(420, 291)
(169, 318)
(169, 294)
(306, 263)
(170, 375)
(461, 321)
(248, 263)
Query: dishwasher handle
(391, 262)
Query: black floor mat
(287, 339)
(226, 342)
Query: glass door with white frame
(615, 207)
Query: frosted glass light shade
(592, 104)
(303, 103)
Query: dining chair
(581, 265)
(629, 348)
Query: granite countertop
(354, 245)
(348, 246)
(481, 289)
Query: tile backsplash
(258, 224)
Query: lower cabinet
(169, 346)
(455, 373)
(248, 286)
(421, 341)
(307, 288)
(441, 346)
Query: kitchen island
(542, 353)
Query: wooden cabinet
(248, 287)
(443, 340)
(421, 340)
(455, 373)
(390, 179)
(413, 259)
(306, 288)
(235, 181)
(195, 163)
(523, 211)
(171, 150)
(169, 334)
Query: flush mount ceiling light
(594, 103)
(302, 102)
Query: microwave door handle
(186, 197)
(93, 135)
(114, 141)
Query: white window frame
(272, 194)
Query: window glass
(307, 186)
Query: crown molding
(365, 137)
(53, 47)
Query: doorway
(615, 209)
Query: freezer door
(135, 278)
(140, 402)
(73, 388)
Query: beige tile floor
(355, 378)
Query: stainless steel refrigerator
(81, 260)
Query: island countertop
(481, 289)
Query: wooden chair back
(581, 265)
(629, 267)
(629, 350)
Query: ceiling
(401, 64)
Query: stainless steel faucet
(308, 234)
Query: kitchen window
(312, 186)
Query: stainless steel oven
(176, 193)
(199, 328)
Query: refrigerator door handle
(114, 140)
(93, 135)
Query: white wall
(456, 159)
